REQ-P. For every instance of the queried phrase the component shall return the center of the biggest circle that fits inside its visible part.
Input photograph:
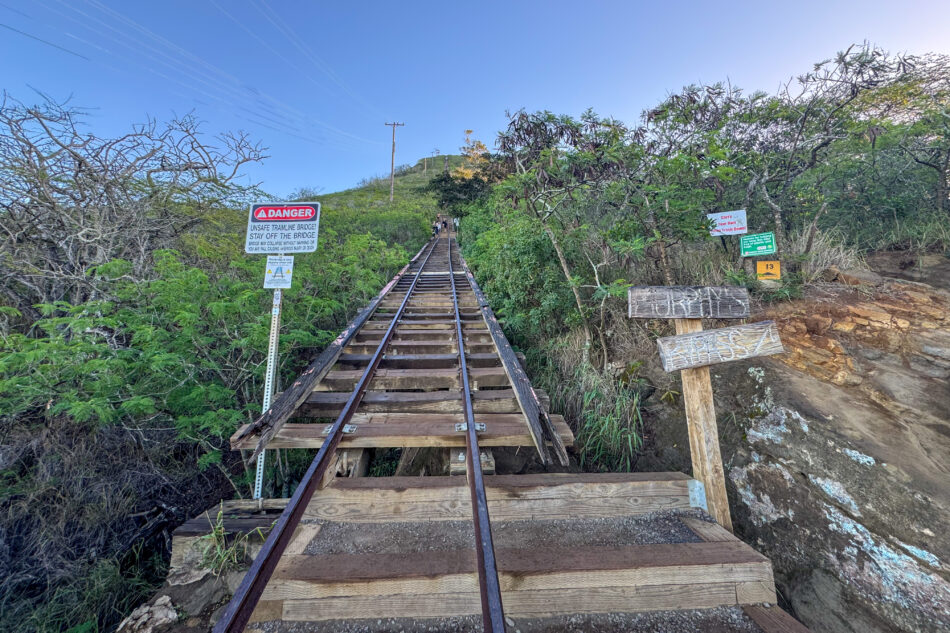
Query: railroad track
(436, 307)
(426, 364)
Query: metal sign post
(281, 227)
(268, 383)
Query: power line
(187, 55)
(39, 39)
(9, 8)
(282, 26)
(219, 86)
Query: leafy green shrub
(611, 423)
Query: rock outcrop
(838, 454)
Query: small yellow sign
(768, 270)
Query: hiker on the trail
(435, 228)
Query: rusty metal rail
(492, 612)
(239, 609)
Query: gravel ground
(420, 536)
(719, 620)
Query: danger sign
(283, 227)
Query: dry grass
(84, 516)
(828, 249)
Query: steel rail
(239, 609)
(493, 614)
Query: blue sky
(316, 81)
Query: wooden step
(325, 404)
(535, 582)
(425, 324)
(427, 346)
(479, 378)
(510, 497)
(433, 577)
(392, 430)
(423, 346)
(419, 361)
(407, 333)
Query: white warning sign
(278, 271)
(283, 227)
(728, 223)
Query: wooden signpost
(691, 351)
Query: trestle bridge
(426, 364)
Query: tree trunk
(814, 228)
(661, 243)
(577, 295)
(777, 218)
(665, 263)
(943, 175)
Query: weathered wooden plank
(541, 481)
(420, 361)
(773, 619)
(410, 430)
(510, 497)
(518, 604)
(755, 591)
(481, 377)
(541, 603)
(425, 324)
(325, 404)
(202, 525)
(585, 579)
(708, 347)
(578, 566)
(708, 531)
(285, 404)
(687, 302)
(267, 610)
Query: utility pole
(392, 163)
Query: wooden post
(691, 352)
(392, 162)
(704, 432)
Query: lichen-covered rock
(838, 455)
(149, 618)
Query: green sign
(757, 244)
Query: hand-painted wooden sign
(687, 302)
(719, 346)
(692, 350)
